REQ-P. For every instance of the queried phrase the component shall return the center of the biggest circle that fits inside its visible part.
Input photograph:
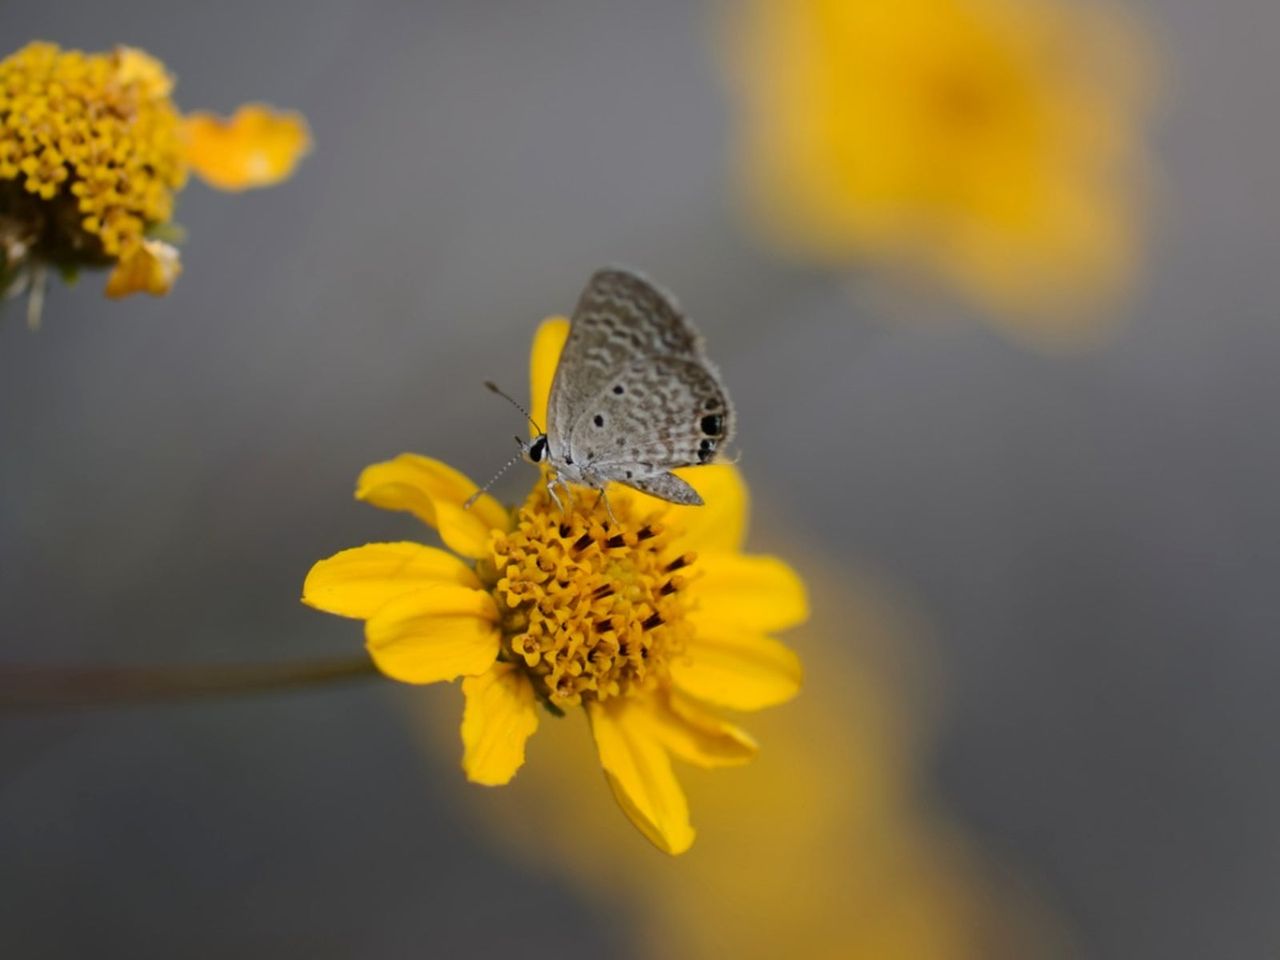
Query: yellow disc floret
(98, 136)
(593, 607)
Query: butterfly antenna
(493, 387)
(492, 480)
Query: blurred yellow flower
(993, 144)
(648, 620)
(92, 151)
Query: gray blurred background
(1092, 539)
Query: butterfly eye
(538, 449)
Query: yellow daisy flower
(92, 151)
(649, 624)
(996, 145)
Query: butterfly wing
(651, 416)
(619, 318)
(667, 486)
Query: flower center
(592, 607)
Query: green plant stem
(24, 687)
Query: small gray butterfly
(634, 396)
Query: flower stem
(35, 296)
(26, 687)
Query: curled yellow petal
(639, 773)
(256, 147)
(151, 268)
(435, 493)
(441, 632)
(756, 593)
(360, 581)
(738, 670)
(500, 715)
(695, 735)
(547, 344)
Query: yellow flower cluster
(101, 126)
(92, 152)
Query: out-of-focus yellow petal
(500, 715)
(434, 492)
(440, 632)
(759, 594)
(151, 268)
(256, 147)
(639, 773)
(547, 344)
(696, 736)
(360, 581)
(737, 669)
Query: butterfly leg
(551, 491)
(565, 488)
(607, 507)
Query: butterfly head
(535, 451)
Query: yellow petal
(696, 736)
(151, 268)
(547, 344)
(639, 773)
(719, 524)
(359, 581)
(256, 147)
(738, 670)
(435, 493)
(499, 717)
(440, 632)
(759, 594)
